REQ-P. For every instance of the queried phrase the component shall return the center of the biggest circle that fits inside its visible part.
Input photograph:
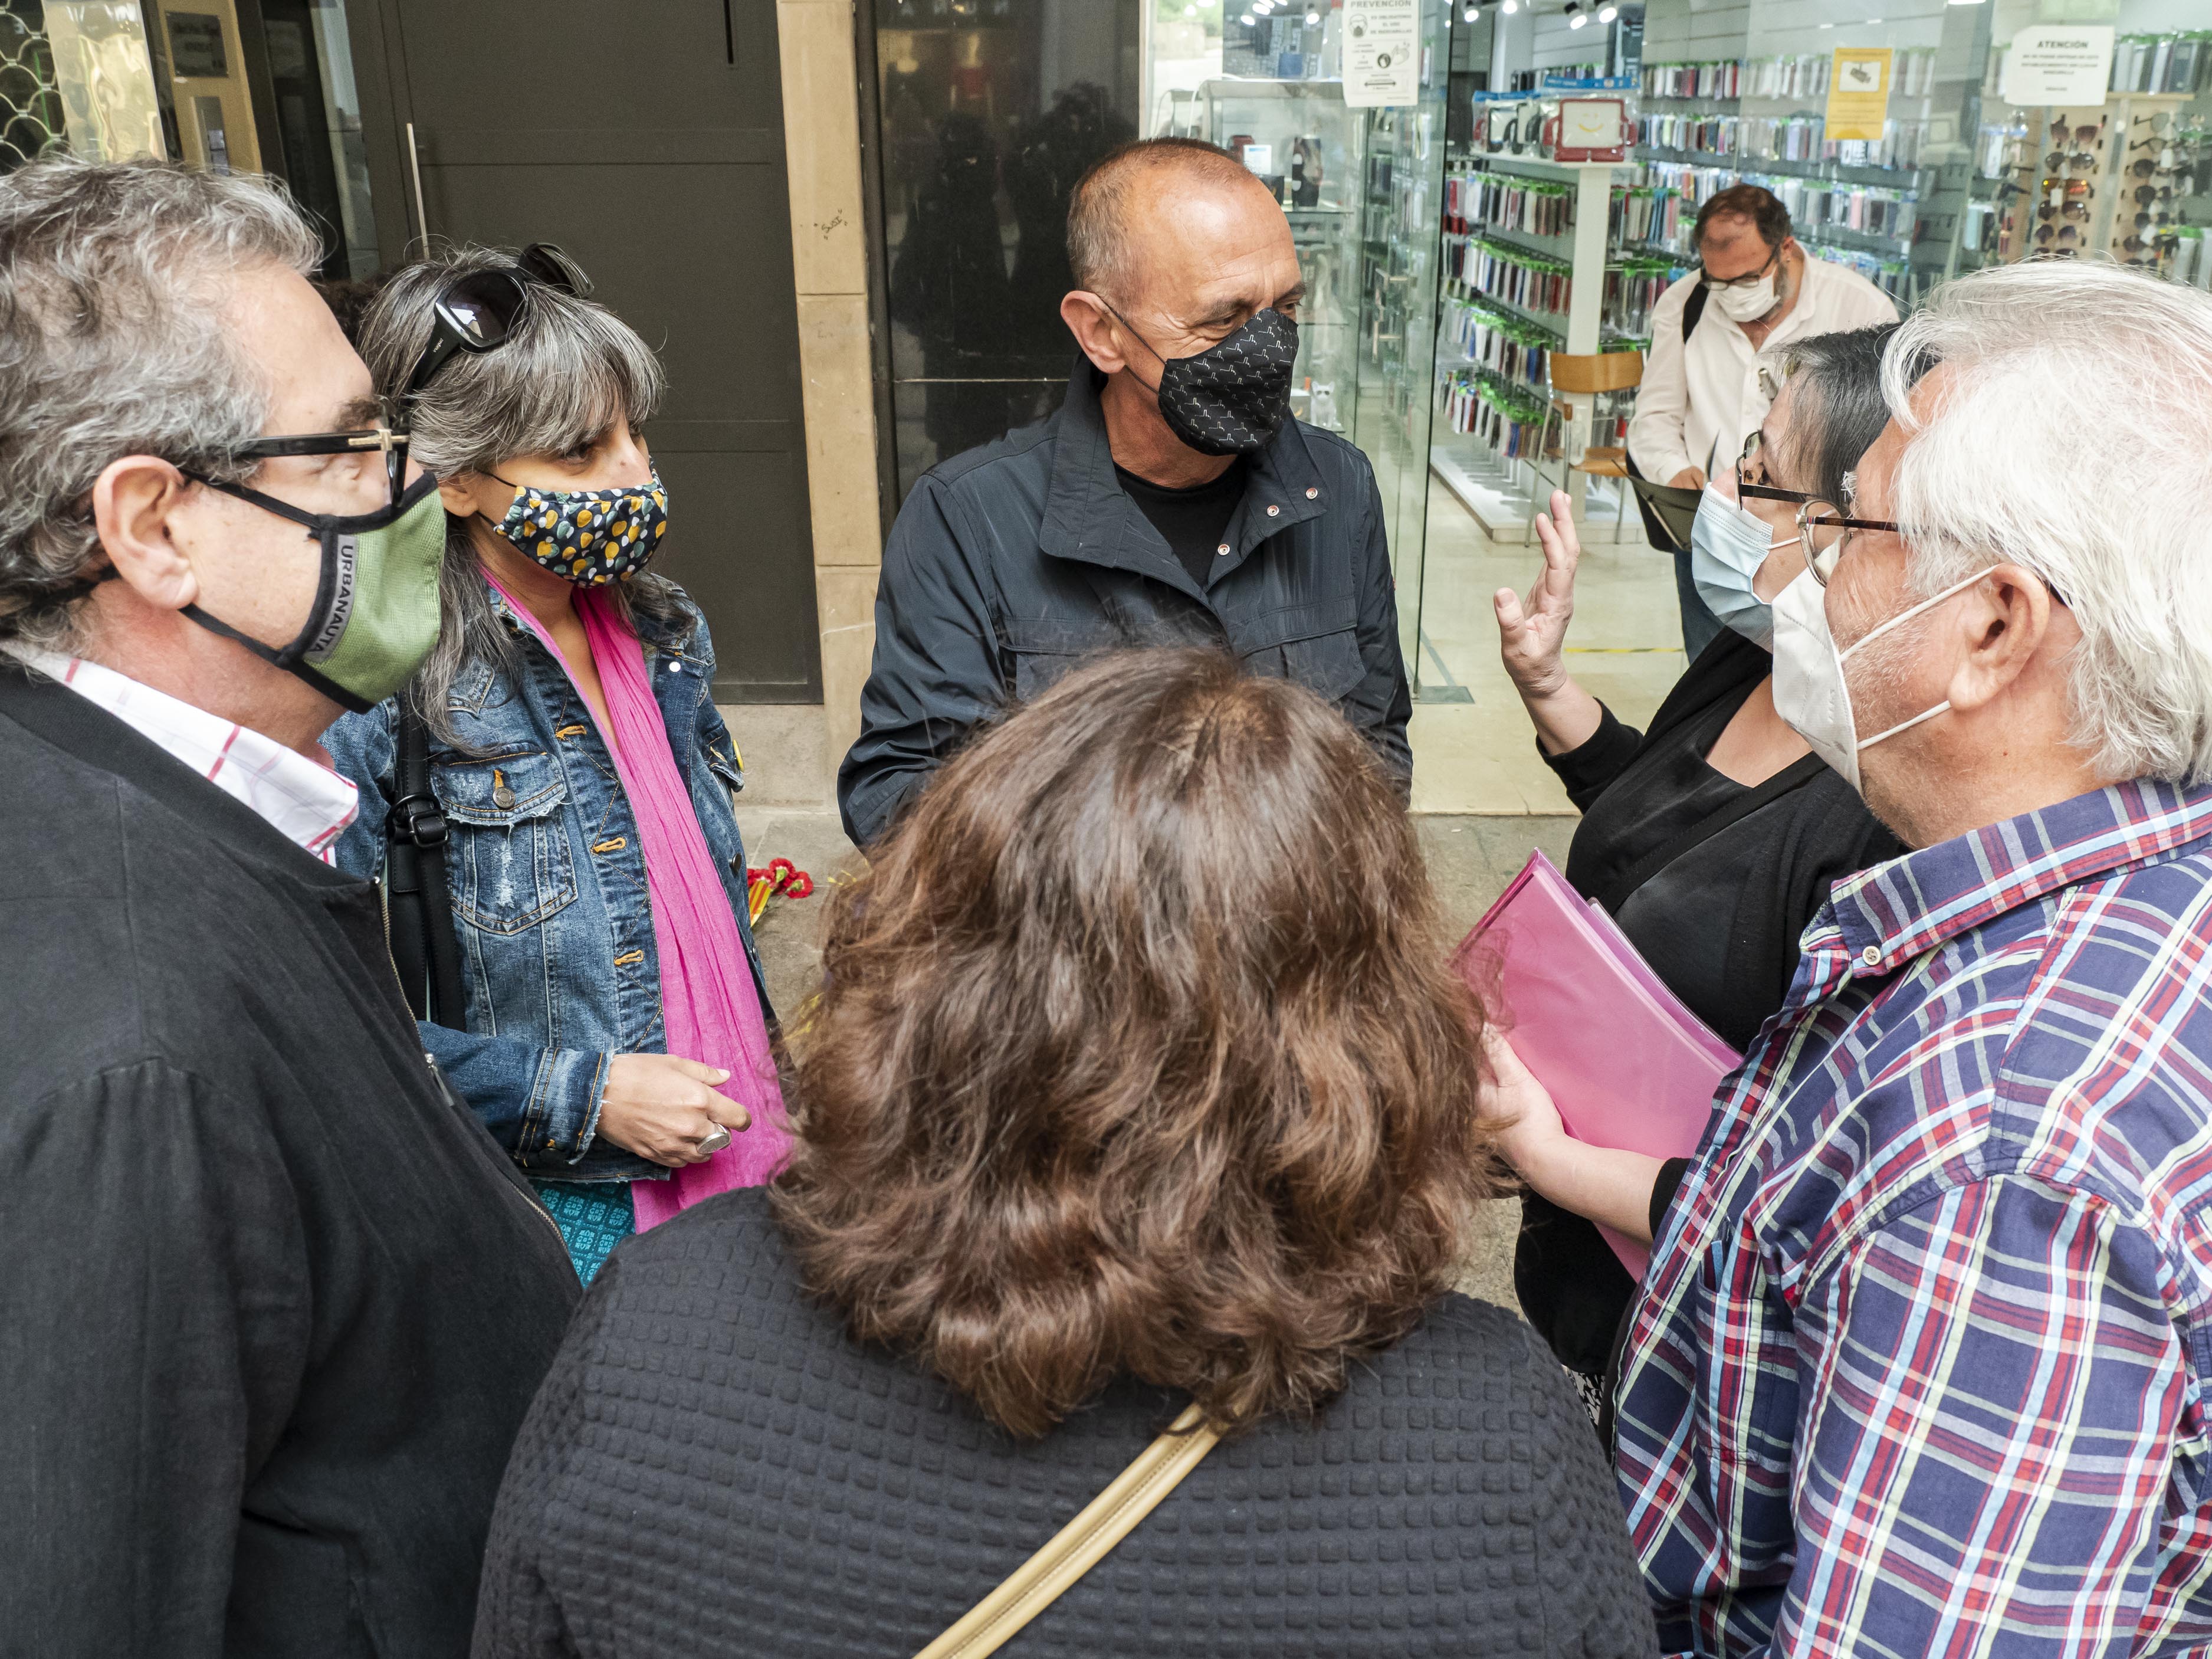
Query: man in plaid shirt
(1921, 1361)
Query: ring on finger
(712, 1141)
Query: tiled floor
(1625, 646)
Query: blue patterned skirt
(594, 1216)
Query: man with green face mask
(276, 1304)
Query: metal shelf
(1561, 248)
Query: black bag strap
(418, 905)
(1793, 776)
(1654, 532)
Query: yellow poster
(1858, 92)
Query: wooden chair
(1583, 376)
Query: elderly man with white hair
(273, 1304)
(1922, 1360)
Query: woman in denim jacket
(549, 493)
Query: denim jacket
(556, 930)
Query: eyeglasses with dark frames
(1751, 474)
(1749, 279)
(386, 435)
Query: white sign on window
(2059, 64)
(1381, 53)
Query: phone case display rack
(1856, 202)
(1519, 268)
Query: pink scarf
(708, 1002)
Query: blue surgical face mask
(1727, 547)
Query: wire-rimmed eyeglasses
(1827, 532)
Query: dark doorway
(647, 139)
(988, 111)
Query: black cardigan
(716, 1467)
(1788, 852)
(274, 1304)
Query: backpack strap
(1655, 532)
(1081, 1544)
(418, 906)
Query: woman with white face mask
(1713, 837)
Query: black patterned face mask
(1233, 398)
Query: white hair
(2073, 436)
(112, 342)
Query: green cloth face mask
(376, 613)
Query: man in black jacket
(1170, 501)
(273, 1305)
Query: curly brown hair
(1140, 1053)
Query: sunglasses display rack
(2115, 180)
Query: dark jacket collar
(1090, 517)
(79, 727)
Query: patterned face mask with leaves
(588, 537)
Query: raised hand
(1532, 632)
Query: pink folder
(1628, 1065)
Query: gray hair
(114, 342)
(2070, 438)
(569, 373)
(1847, 410)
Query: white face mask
(1727, 545)
(1747, 305)
(1810, 693)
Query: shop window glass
(989, 111)
(77, 75)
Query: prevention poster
(1381, 53)
(1858, 93)
(2058, 64)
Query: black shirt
(1192, 520)
(274, 1304)
(716, 1467)
(1013, 563)
(1719, 925)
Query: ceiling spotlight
(1246, 20)
(1606, 14)
(1510, 7)
(1576, 17)
(1472, 13)
(1313, 19)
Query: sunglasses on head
(478, 311)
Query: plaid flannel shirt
(1920, 1364)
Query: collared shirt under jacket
(274, 1305)
(1012, 562)
(1921, 1362)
